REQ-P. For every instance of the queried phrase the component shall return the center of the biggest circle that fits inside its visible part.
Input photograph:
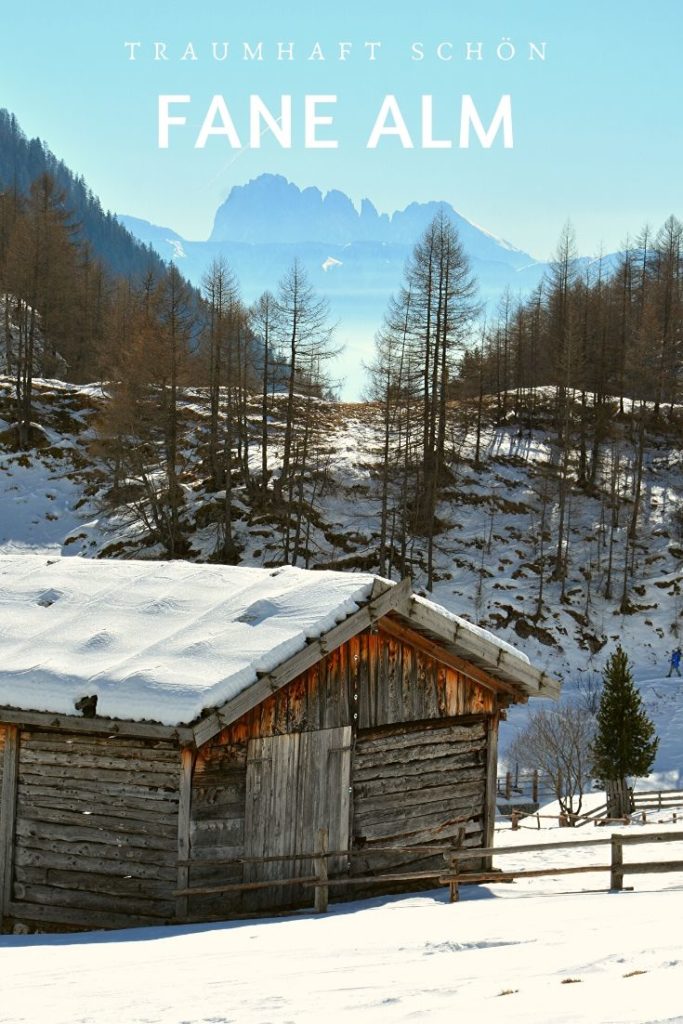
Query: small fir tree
(625, 743)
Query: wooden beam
(446, 657)
(515, 669)
(187, 756)
(385, 597)
(8, 810)
(491, 785)
(101, 726)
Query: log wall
(217, 816)
(416, 786)
(96, 831)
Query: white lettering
(165, 120)
(218, 109)
(390, 108)
(469, 116)
(313, 119)
(428, 140)
(280, 126)
(252, 54)
(189, 53)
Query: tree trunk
(619, 798)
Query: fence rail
(455, 855)
(532, 784)
(617, 867)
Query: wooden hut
(172, 732)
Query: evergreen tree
(625, 742)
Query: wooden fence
(617, 867)
(659, 800)
(452, 874)
(644, 801)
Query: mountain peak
(270, 209)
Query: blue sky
(598, 135)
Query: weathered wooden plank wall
(296, 785)
(219, 786)
(418, 785)
(96, 830)
(8, 798)
(372, 682)
(375, 677)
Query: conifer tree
(625, 743)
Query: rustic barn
(174, 737)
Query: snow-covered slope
(488, 558)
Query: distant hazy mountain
(271, 209)
(354, 256)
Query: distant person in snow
(675, 665)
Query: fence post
(508, 785)
(534, 786)
(321, 891)
(616, 882)
(515, 819)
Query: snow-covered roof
(163, 641)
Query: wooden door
(296, 785)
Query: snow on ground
(539, 951)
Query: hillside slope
(490, 559)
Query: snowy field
(540, 951)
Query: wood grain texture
(297, 784)
(419, 786)
(96, 832)
(183, 827)
(8, 804)
(97, 726)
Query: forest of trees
(150, 336)
(597, 341)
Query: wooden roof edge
(96, 726)
(441, 652)
(384, 597)
(497, 661)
